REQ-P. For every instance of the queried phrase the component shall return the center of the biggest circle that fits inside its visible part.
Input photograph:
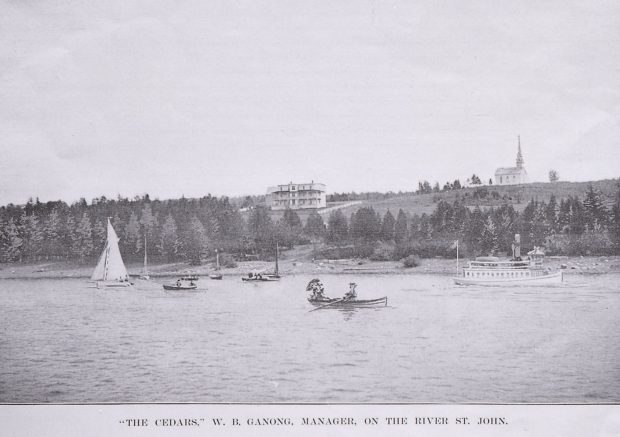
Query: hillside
(517, 195)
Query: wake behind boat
(110, 271)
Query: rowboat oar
(331, 303)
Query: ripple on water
(437, 343)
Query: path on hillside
(344, 205)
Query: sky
(228, 98)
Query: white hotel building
(297, 196)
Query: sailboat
(217, 267)
(145, 270)
(110, 270)
(265, 277)
(276, 270)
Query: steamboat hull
(554, 278)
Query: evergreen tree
(291, 219)
(32, 236)
(99, 235)
(132, 241)
(83, 242)
(615, 222)
(401, 231)
(12, 249)
(53, 235)
(365, 226)
(425, 230)
(489, 239)
(260, 226)
(594, 209)
(68, 237)
(539, 228)
(337, 228)
(315, 228)
(551, 216)
(169, 242)
(148, 221)
(388, 226)
(195, 241)
(473, 231)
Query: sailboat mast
(277, 249)
(145, 259)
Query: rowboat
(174, 287)
(259, 278)
(184, 283)
(354, 303)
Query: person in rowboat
(351, 294)
(317, 289)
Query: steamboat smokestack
(517, 247)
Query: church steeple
(519, 155)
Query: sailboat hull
(113, 284)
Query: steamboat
(490, 270)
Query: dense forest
(193, 229)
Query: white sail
(110, 266)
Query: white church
(512, 175)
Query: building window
(500, 180)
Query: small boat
(145, 270)
(264, 277)
(259, 277)
(189, 276)
(349, 300)
(217, 276)
(352, 303)
(180, 285)
(110, 271)
(490, 270)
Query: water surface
(63, 341)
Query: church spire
(519, 155)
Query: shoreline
(431, 266)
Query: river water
(63, 341)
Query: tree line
(193, 229)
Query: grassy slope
(518, 196)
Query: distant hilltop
(485, 196)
